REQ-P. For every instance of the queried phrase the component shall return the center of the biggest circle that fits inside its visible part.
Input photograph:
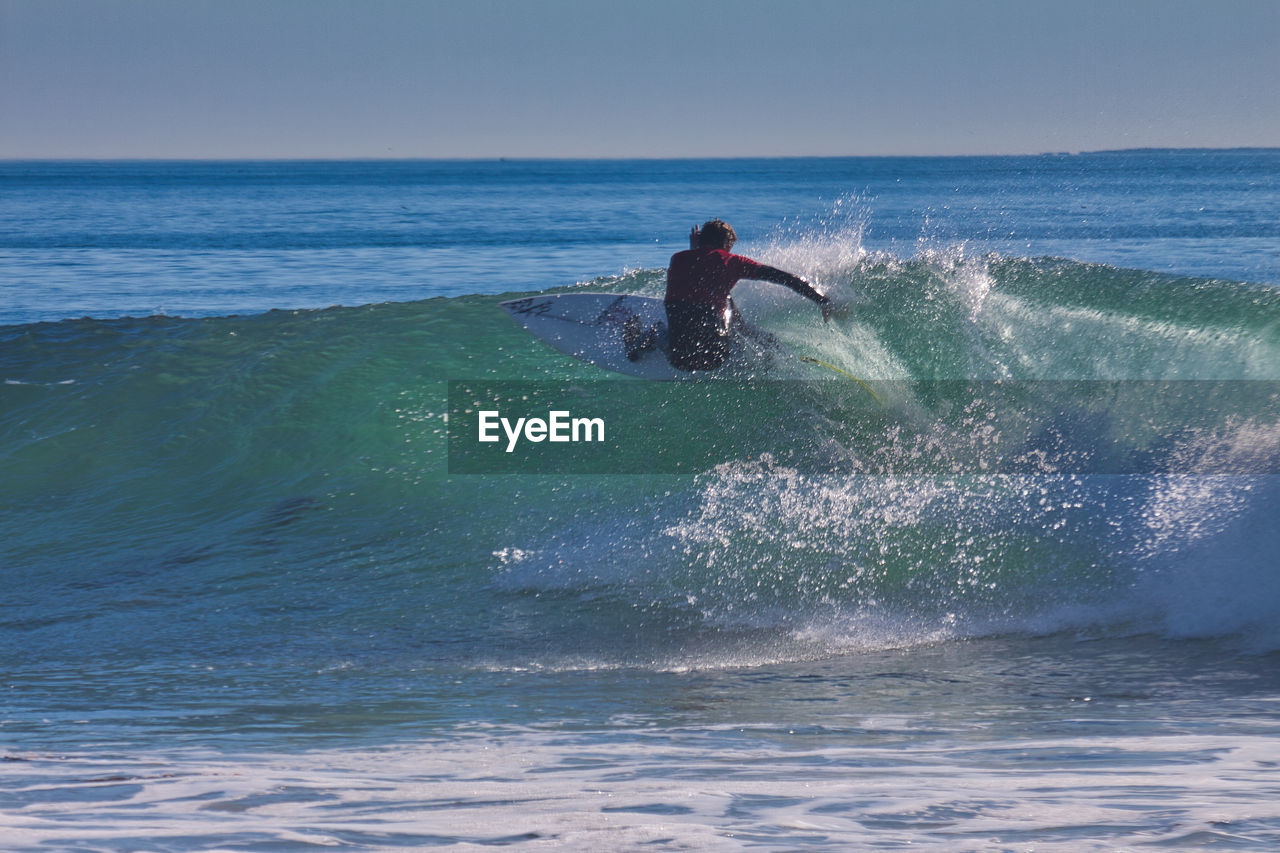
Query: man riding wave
(699, 281)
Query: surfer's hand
(827, 309)
(693, 237)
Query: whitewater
(259, 595)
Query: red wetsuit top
(706, 276)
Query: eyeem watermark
(558, 426)
(934, 428)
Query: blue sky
(652, 78)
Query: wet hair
(717, 234)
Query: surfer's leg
(697, 340)
(636, 341)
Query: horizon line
(653, 158)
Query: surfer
(699, 310)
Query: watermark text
(558, 426)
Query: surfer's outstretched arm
(799, 285)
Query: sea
(997, 571)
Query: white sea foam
(709, 790)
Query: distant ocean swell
(279, 482)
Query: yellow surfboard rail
(829, 366)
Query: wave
(277, 484)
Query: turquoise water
(250, 605)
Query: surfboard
(626, 333)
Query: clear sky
(649, 78)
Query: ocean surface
(1026, 597)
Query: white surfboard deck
(589, 326)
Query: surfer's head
(717, 234)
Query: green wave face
(283, 479)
